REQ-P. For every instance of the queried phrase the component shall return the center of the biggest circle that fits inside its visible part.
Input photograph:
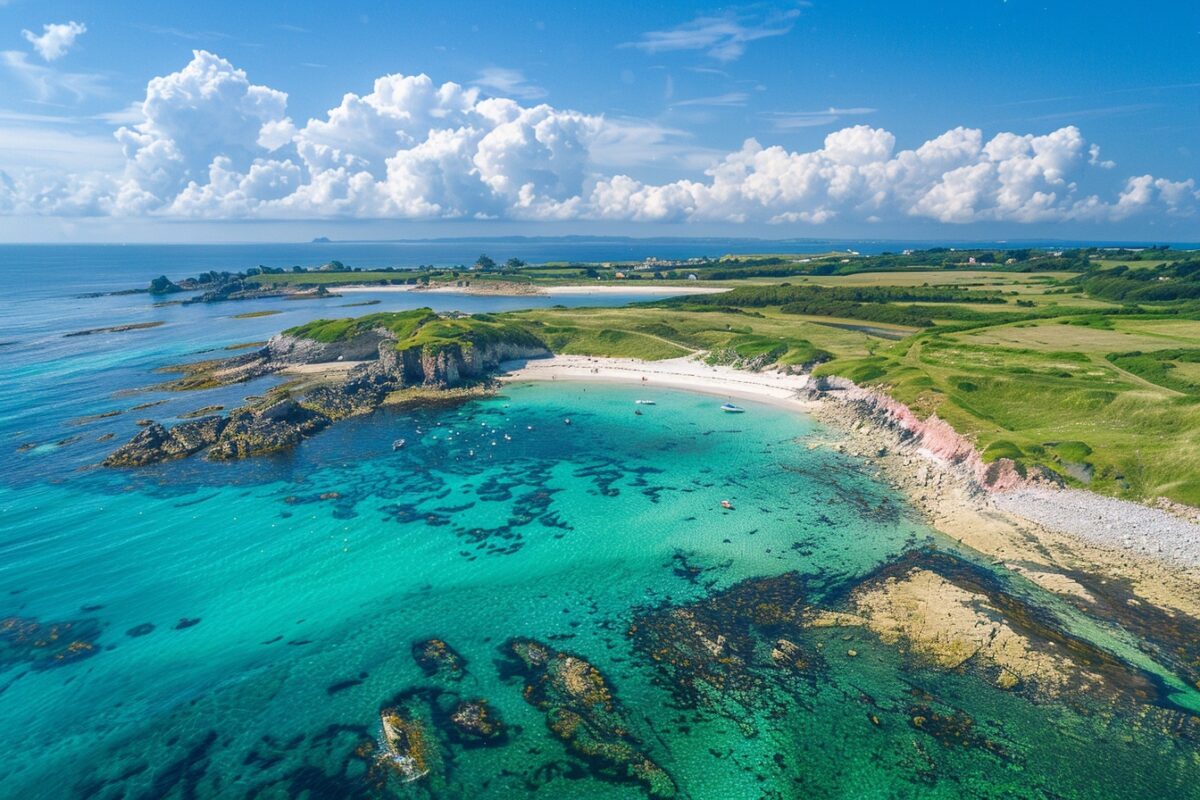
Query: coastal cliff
(932, 436)
(390, 353)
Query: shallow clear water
(251, 619)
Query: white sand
(687, 373)
(319, 368)
(388, 288)
(584, 289)
(631, 289)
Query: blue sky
(624, 118)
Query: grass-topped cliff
(400, 324)
(422, 329)
(403, 357)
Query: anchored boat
(730, 408)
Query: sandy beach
(1046, 534)
(634, 289)
(657, 290)
(323, 368)
(688, 373)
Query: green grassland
(727, 336)
(401, 324)
(1082, 401)
(1001, 266)
(420, 328)
(1104, 393)
(1092, 370)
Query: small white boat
(644, 402)
(399, 444)
(730, 408)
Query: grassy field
(657, 333)
(1061, 396)
(1051, 383)
(1086, 369)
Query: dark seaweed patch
(731, 650)
(45, 645)
(1040, 625)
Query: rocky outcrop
(409, 747)
(285, 349)
(237, 289)
(953, 614)
(163, 285)
(448, 359)
(243, 433)
(278, 427)
(155, 443)
(931, 437)
(436, 658)
(476, 722)
(451, 365)
(581, 711)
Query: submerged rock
(952, 727)
(407, 747)
(581, 711)
(436, 658)
(728, 650)
(45, 645)
(476, 722)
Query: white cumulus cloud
(56, 38)
(207, 142)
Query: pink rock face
(933, 436)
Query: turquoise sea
(243, 624)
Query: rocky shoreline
(1028, 522)
(390, 367)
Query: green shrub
(1002, 448)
